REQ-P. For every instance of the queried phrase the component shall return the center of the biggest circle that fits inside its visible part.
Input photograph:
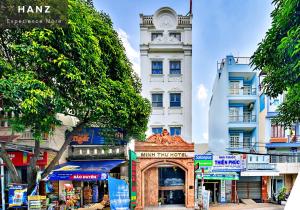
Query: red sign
(22, 158)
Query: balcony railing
(245, 146)
(27, 135)
(261, 166)
(246, 91)
(285, 158)
(247, 117)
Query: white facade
(166, 70)
(233, 108)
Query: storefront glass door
(171, 185)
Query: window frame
(157, 102)
(158, 69)
(176, 35)
(174, 71)
(177, 128)
(175, 103)
(155, 35)
(158, 128)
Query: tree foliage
(80, 69)
(278, 56)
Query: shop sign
(227, 163)
(165, 154)
(37, 202)
(102, 176)
(219, 176)
(203, 161)
(132, 179)
(95, 136)
(17, 195)
(223, 197)
(23, 158)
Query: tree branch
(11, 168)
(32, 169)
(68, 140)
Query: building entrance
(171, 185)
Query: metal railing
(242, 91)
(285, 158)
(242, 60)
(27, 135)
(247, 117)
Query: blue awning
(84, 170)
(282, 145)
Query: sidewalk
(241, 206)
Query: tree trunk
(10, 166)
(68, 139)
(32, 168)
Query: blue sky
(220, 27)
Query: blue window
(157, 67)
(262, 102)
(157, 100)
(175, 99)
(175, 131)
(175, 67)
(157, 130)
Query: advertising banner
(203, 161)
(97, 136)
(132, 179)
(227, 163)
(17, 195)
(223, 194)
(22, 158)
(118, 194)
(37, 202)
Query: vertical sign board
(223, 195)
(132, 179)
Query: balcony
(245, 91)
(247, 117)
(283, 142)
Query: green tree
(80, 69)
(278, 56)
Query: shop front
(165, 171)
(84, 182)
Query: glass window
(157, 130)
(157, 100)
(155, 35)
(175, 99)
(176, 35)
(175, 67)
(234, 140)
(157, 67)
(175, 131)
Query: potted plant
(281, 196)
(160, 201)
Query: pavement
(226, 206)
(241, 206)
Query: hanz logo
(34, 9)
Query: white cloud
(201, 93)
(132, 54)
(205, 136)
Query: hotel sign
(165, 154)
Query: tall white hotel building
(166, 71)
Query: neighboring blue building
(234, 107)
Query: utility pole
(2, 183)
